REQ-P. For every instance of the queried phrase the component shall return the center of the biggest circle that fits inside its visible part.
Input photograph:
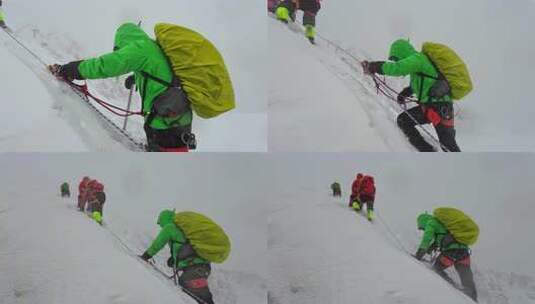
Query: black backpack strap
(175, 82)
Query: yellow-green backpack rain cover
(207, 238)
(200, 67)
(451, 66)
(460, 225)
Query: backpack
(205, 236)
(199, 67)
(453, 76)
(367, 185)
(463, 229)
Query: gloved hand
(373, 67)
(170, 262)
(67, 71)
(145, 256)
(404, 94)
(419, 254)
(129, 82)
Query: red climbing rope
(82, 88)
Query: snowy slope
(51, 253)
(322, 252)
(491, 36)
(77, 35)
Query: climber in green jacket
(451, 253)
(64, 189)
(134, 51)
(405, 60)
(195, 270)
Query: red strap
(445, 261)
(465, 261)
(432, 115)
(181, 149)
(197, 283)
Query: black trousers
(446, 134)
(194, 279)
(98, 203)
(460, 259)
(167, 138)
(364, 200)
(309, 7)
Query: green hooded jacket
(408, 61)
(65, 187)
(171, 234)
(434, 233)
(135, 51)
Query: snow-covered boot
(97, 217)
(310, 33)
(283, 14)
(370, 215)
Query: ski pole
(128, 107)
(129, 96)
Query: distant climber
(272, 5)
(336, 188)
(286, 10)
(355, 189)
(2, 17)
(433, 86)
(96, 197)
(83, 191)
(178, 72)
(194, 242)
(449, 232)
(64, 189)
(363, 193)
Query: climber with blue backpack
(178, 72)
(194, 241)
(449, 232)
(438, 76)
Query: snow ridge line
(125, 138)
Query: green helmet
(401, 49)
(166, 217)
(422, 220)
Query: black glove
(170, 262)
(403, 95)
(145, 256)
(129, 82)
(67, 71)
(419, 254)
(373, 67)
